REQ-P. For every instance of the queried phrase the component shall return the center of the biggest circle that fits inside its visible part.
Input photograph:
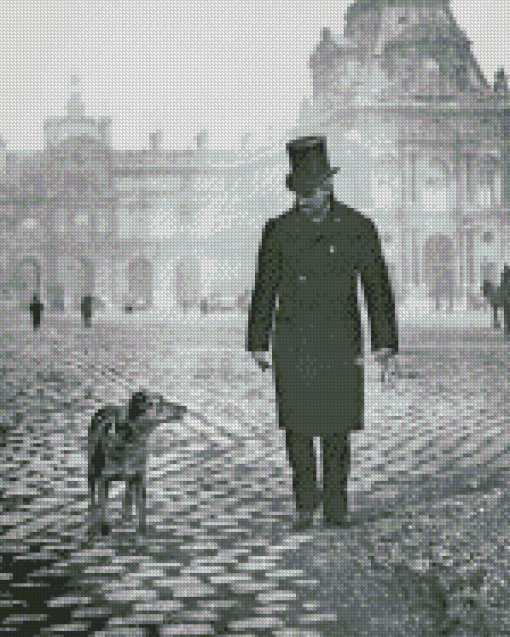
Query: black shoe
(303, 521)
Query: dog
(117, 451)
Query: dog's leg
(127, 510)
(103, 500)
(141, 496)
(93, 506)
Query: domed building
(419, 134)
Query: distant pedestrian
(36, 310)
(505, 294)
(492, 299)
(86, 310)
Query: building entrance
(438, 266)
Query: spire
(201, 139)
(501, 82)
(75, 106)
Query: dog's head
(153, 407)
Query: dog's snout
(179, 410)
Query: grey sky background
(181, 65)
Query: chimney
(156, 141)
(105, 126)
(245, 140)
(201, 139)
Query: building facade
(148, 228)
(419, 134)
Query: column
(470, 262)
(503, 242)
(505, 181)
(406, 167)
(505, 184)
(461, 211)
(120, 286)
(54, 287)
(470, 164)
(416, 258)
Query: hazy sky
(180, 65)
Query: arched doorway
(78, 277)
(140, 284)
(25, 281)
(438, 269)
(187, 280)
(87, 277)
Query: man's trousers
(336, 461)
(506, 317)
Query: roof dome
(360, 6)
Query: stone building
(418, 132)
(150, 228)
(421, 136)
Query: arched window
(489, 183)
(433, 181)
(385, 182)
(140, 282)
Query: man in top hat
(310, 258)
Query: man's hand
(262, 360)
(383, 357)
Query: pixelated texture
(327, 496)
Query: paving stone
(127, 595)
(68, 601)
(313, 618)
(248, 588)
(286, 573)
(186, 629)
(25, 618)
(276, 596)
(159, 606)
(91, 613)
(256, 622)
(146, 618)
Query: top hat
(310, 164)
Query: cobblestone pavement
(219, 558)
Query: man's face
(318, 199)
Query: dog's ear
(136, 405)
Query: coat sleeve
(378, 292)
(263, 300)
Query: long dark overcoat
(305, 300)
